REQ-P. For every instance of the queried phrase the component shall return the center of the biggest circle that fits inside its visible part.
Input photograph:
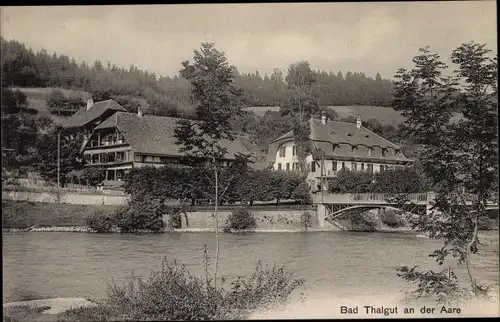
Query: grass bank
(24, 214)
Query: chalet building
(85, 120)
(119, 140)
(337, 145)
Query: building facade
(337, 145)
(119, 141)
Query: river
(333, 264)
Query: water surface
(336, 264)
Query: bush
(172, 293)
(392, 218)
(145, 214)
(240, 219)
(99, 222)
(362, 221)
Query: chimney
(90, 102)
(323, 117)
(139, 111)
(358, 122)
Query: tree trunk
(216, 214)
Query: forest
(23, 67)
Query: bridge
(329, 207)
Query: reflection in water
(333, 264)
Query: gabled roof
(334, 132)
(151, 134)
(85, 116)
(342, 132)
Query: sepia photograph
(250, 161)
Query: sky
(358, 37)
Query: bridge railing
(417, 198)
(367, 198)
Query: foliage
(99, 222)
(173, 293)
(140, 214)
(348, 181)
(94, 175)
(301, 104)
(363, 221)
(391, 181)
(444, 284)
(19, 131)
(58, 102)
(175, 212)
(46, 162)
(457, 158)
(13, 101)
(25, 68)
(392, 218)
(184, 182)
(241, 219)
(217, 101)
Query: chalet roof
(151, 134)
(324, 136)
(85, 116)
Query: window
(313, 166)
(384, 151)
(138, 157)
(370, 152)
(120, 156)
(334, 166)
(119, 139)
(282, 152)
(362, 166)
(88, 158)
(279, 166)
(370, 168)
(287, 167)
(294, 151)
(95, 158)
(111, 157)
(353, 166)
(104, 157)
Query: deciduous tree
(458, 158)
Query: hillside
(385, 115)
(36, 97)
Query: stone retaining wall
(66, 197)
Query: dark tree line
(23, 67)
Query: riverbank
(84, 229)
(25, 216)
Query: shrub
(175, 213)
(362, 221)
(392, 218)
(99, 222)
(172, 293)
(240, 219)
(140, 214)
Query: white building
(337, 145)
